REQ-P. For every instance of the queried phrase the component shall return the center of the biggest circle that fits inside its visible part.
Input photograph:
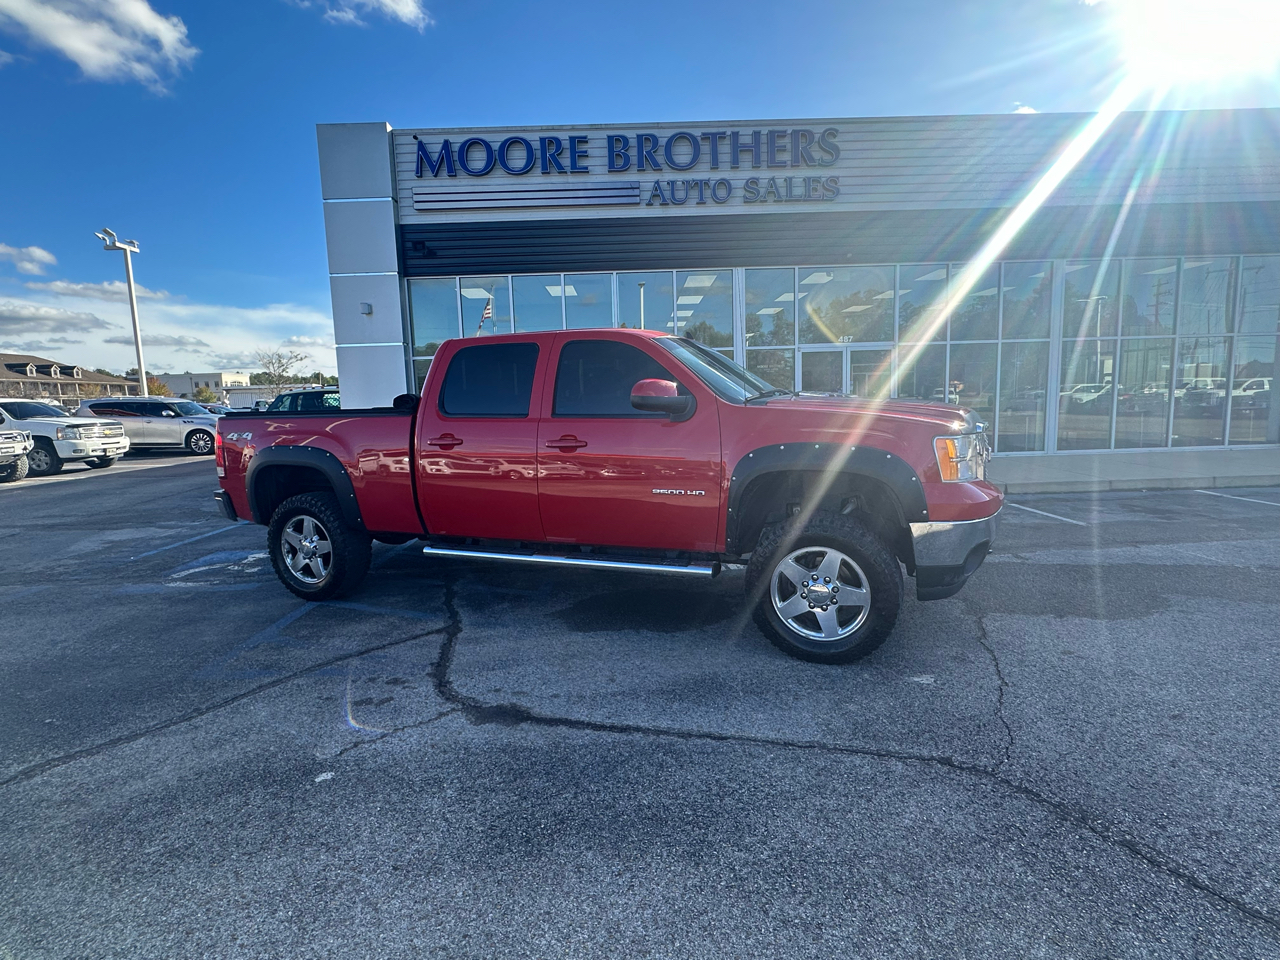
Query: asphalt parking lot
(1075, 757)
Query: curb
(1139, 483)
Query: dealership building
(1137, 307)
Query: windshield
(728, 380)
(189, 409)
(26, 409)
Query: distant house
(42, 378)
(186, 384)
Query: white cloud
(27, 259)
(20, 317)
(160, 340)
(113, 291)
(302, 341)
(6, 58)
(106, 39)
(409, 12)
(1021, 108)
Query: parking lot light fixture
(128, 247)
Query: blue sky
(191, 125)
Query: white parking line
(113, 471)
(1227, 496)
(1043, 513)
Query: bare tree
(279, 366)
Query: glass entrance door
(859, 371)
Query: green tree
(204, 395)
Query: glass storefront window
(820, 371)
(1142, 406)
(1149, 298)
(846, 305)
(1091, 299)
(486, 306)
(538, 303)
(704, 307)
(778, 367)
(870, 373)
(588, 300)
(1200, 392)
(922, 371)
(1260, 295)
(977, 317)
(433, 313)
(1084, 395)
(645, 300)
(1028, 299)
(1255, 416)
(770, 313)
(922, 288)
(1024, 370)
(1208, 296)
(973, 378)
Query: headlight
(961, 459)
(68, 433)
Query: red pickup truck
(627, 449)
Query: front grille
(90, 431)
(12, 437)
(112, 430)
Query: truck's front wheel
(15, 471)
(827, 591)
(315, 554)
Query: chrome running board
(687, 570)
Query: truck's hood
(942, 414)
(28, 423)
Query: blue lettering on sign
(504, 155)
(445, 157)
(464, 156)
(681, 150)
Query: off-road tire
(100, 463)
(13, 472)
(200, 442)
(43, 460)
(856, 541)
(350, 550)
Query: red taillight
(219, 457)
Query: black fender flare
(302, 456)
(902, 479)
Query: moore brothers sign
(786, 165)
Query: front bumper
(91, 448)
(15, 450)
(947, 554)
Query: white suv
(61, 438)
(14, 447)
(158, 421)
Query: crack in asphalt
(984, 641)
(52, 763)
(480, 713)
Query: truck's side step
(636, 566)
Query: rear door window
(490, 380)
(594, 379)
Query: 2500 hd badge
(682, 493)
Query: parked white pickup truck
(61, 438)
(14, 447)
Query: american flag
(487, 315)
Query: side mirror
(405, 403)
(168, 413)
(662, 396)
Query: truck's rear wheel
(43, 459)
(315, 554)
(828, 591)
(13, 472)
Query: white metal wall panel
(361, 236)
(384, 324)
(371, 376)
(355, 160)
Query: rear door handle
(567, 443)
(448, 441)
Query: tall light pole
(129, 248)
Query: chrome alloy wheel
(305, 546)
(39, 460)
(821, 593)
(200, 442)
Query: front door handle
(567, 443)
(447, 442)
